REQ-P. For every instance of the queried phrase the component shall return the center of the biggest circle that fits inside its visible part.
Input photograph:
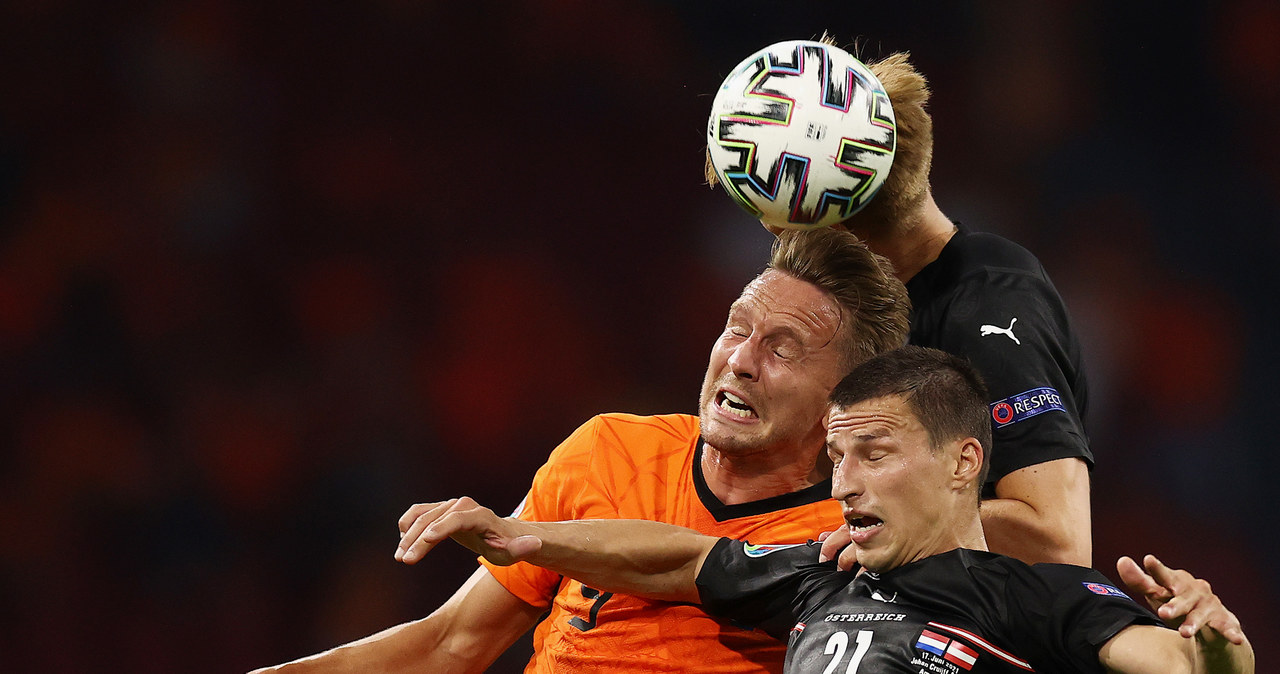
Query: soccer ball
(801, 134)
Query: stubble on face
(785, 334)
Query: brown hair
(862, 282)
(907, 184)
(943, 391)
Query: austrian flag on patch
(961, 655)
(952, 651)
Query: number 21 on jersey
(839, 643)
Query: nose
(744, 360)
(845, 481)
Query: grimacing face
(772, 368)
(903, 499)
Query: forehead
(887, 415)
(775, 292)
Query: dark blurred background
(270, 272)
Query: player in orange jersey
(750, 466)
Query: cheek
(719, 355)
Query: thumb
(524, 547)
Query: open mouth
(864, 524)
(734, 405)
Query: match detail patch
(951, 650)
(1025, 405)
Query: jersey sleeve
(1069, 613)
(765, 586)
(1014, 328)
(558, 493)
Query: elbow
(1061, 542)
(1078, 551)
(1034, 538)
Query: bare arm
(649, 559)
(467, 633)
(1041, 514)
(1208, 639)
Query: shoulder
(629, 428)
(679, 424)
(984, 250)
(979, 269)
(1057, 584)
(629, 434)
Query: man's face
(900, 497)
(773, 367)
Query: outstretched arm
(649, 559)
(466, 634)
(1208, 639)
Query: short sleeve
(556, 494)
(1012, 326)
(1069, 612)
(765, 586)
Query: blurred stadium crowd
(271, 272)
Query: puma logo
(994, 330)
(891, 599)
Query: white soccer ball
(801, 134)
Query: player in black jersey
(989, 300)
(907, 433)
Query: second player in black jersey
(960, 611)
(990, 300)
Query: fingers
(1140, 582)
(848, 559)
(1182, 600)
(417, 537)
(413, 513)
(832, 543)
(1161, 573)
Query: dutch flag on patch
(934, 643)
(961, 655)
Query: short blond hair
(907, 184)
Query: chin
(730, 440)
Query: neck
(912, 243)
(970, 535)
(963, 529)
(742, 478)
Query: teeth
(736, 406)
(860, 524)
(745, 414)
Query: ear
(968, 463)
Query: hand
(1181, 600)
(836, 544)
(500, 540)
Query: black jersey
(961, 612)
(989, 300)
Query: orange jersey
(619, 466)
